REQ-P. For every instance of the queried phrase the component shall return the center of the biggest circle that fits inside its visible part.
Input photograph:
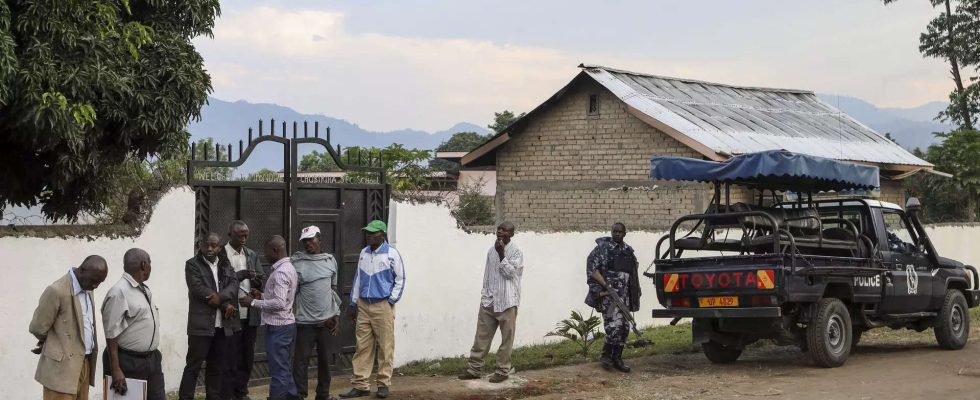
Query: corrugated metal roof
(732, 120)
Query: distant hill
(910, 127)
(228, 122)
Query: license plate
(718, 301)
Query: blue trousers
(278, 339)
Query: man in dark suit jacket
(64, 325)
(212, 290)
(241, 349)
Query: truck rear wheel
(953, 325)
(720, 354)
(829, 335)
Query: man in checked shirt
(276, 305)
(498, 305)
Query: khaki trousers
(375, 326)
(486, 327)
(81, 394)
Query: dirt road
(884, 366)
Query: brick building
(581, 159)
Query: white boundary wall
(436, 317)
(444, 268)
(32, 264)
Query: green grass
(669, 340)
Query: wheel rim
(835, 333)
(956, 320)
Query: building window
(593, 104)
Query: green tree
(503, 119)
(406, 169)
(954, 36)
(205, 150)
(958, 154)
(460, 141)
(472, 207)
(89, 85)
(318, 162)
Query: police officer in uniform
(612, 267)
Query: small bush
(473, 208)
(580, 330)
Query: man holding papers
(132, 329)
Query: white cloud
(307, 60)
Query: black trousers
(145, 366)
(308, 337)
(200, 349)
(241, 356)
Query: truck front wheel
(720, 354)
(953, 325)
(829, 334)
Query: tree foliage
(318, 162)
(406, 169)
(89, 85)
(472, 207)
(460, 141)
(503, 119)
(954, 36)
(950, 199)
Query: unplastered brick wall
(570, 169)
(564, 142)
(892, 192)
(598, 209)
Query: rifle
(618, 302)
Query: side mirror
(913, 205)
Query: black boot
(618, 359)
(607, 357)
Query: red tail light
(680, 302)
(764, 301)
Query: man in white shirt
(498, 305)
(241, 345)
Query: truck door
(910, 287)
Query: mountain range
(228, 122)
(910, 127)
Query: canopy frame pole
(728, 197)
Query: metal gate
(339, 203)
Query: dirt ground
(882, 367)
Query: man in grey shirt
(317, 306)
(132, 329)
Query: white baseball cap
(309, 232)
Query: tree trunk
(955, 69)
(971, 204)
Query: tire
(828, 336)
(718, 353)
(953, 324)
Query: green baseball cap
(376, 226)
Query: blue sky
(389, 65)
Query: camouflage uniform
(616, 327)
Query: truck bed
(799, 264)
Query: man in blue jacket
(378, 285)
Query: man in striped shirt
(276, 305)
(498, 305)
